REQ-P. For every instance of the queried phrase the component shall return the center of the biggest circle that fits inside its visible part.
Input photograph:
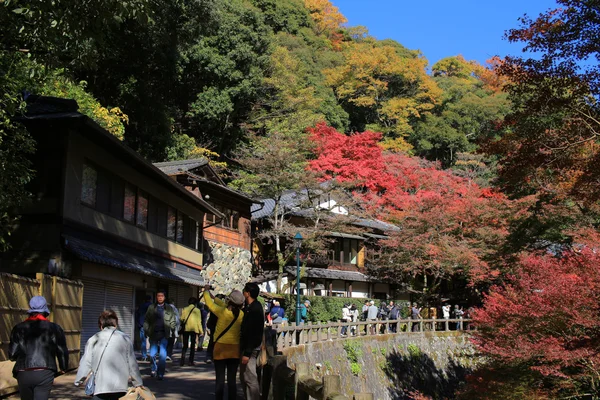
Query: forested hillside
(491, 171)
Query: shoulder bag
(182, 324)
(226, 329)
(90, 381)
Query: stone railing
(292, 335)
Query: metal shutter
(183, 295)
(93, 305)
(119, 298)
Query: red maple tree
(449, 225)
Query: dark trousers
(188, 336)
(35, 385)
(170, 345)
(210, 347)
(109, 396)
(249, 378)
(229, 365)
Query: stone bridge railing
(293, 335)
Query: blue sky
(473, 28)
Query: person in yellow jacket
(226, 352)
(191, 321)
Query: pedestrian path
(180, 383)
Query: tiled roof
(174, 167)
(323, 273)
(132, 261)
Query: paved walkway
(180, 383)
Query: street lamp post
(298, 242)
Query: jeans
(159, 346)
(35, 385)
(231, 365)
(249, 378)
(143, 343)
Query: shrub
(326, 309)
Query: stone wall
(391, 366)
(227, 267)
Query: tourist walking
(372, 317)
(346, 317)
(458, 314)
(394, 315)
(110, 358)
(382, 315)
(355, 316)
(205, 313)
(159, 325)
(191, 324)
(304, 310)
(35, 344)
(252, 332)
(446, 311)
(140, 316)
(173, 338)
(226, 351)
(415, 313)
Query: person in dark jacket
(160, 324)
(251, 339)
(35, 344)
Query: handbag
(138, 393)
(262, 358)
(182, 324)
(90, 380)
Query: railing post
(302, 371)
(328, 327)
(332, 384)
(434, 325)
(446, 325)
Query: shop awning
(132, 261)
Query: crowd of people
(234, 325)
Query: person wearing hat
(372, 316)
(35, 344)
(226, 351)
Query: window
(141, 215)
(344, 251)
(89, 184)
(171, 222)
(129, 203)
(179, 238)
(235, 220)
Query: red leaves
(548, 317)
(448, 224)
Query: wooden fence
(65, 300)
(292, 335)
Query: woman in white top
(109, 354)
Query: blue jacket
(278, 310)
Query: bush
(326, 309)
